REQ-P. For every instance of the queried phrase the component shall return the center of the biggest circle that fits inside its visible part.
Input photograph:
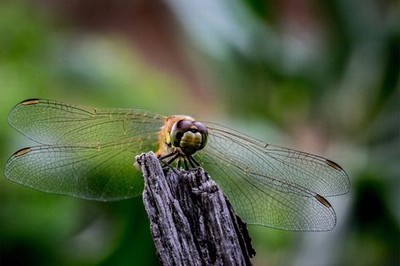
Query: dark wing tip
(9, 168)
(345, 178)
(30, 101)
(334, 165)
(21, 152)
(16, 109)
(330, 223)
(323, 201)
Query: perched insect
(88, 153)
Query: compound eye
(178, 129)
(183, 125)
(202, 129)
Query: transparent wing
(270, 185)
(51, 122)
(88, 153)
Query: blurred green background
(319, 76)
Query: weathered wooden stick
(191, 220)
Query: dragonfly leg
(167, 164)
(192, 161)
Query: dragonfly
(88, 153)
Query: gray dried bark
(191, 221)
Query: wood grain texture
(191, 221)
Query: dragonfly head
(188, 135)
